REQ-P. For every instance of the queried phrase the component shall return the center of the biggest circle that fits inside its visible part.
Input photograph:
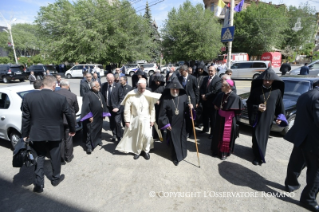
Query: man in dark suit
(67, 141)
(211, 86)
(125, 89)
(304, 135)
(190, 85)
(284, 68)
(42, 123)
(113, 96)
(96, 78)
(85, 85)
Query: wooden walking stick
(189, 100)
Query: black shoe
(88, 151)
(256, 162)
(310, 207)
(69, 160)
(113, 139)
(136, 157)
(291, 188)
(38, 189)
(146, 156)
(118, 139)
(210, 136)
(175, 162)
(57, 182)
(100, 144)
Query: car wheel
(14, 138)
(221, 75)
(5, 80)
(21, 80)
(291, 121)
(255, 76)
(132, 73)
(69, 76)
(150, 73)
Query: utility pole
(231, 23)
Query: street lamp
(9, 28)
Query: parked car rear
(11, 72)
(247, 69)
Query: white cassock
(139, 110)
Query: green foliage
(191, 33)
(4, 60)
(94, 31)
(147, 14)
(307, 49)
(260, 28)
(308, 19)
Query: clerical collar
(266, 87)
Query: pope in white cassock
(139, 117)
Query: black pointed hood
(135, 77)
(269, 74)
(201, 66)
(174, 83)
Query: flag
(239, 7)
(219, 7)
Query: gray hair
(92, 84)
(184, 68)
(64, 83)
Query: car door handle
(3, 117)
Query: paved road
(109, 180)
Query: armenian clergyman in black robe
(93, 112)
(265, 102)
(173, 107)
(228, 106)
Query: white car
(11, 115)
(164, 68)
(76, 71)
(150, 68)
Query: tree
(260, 28)
(191, 33)
(147, 14)
(93, 31)
(308, 20)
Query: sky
(25, 11)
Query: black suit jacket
(116, 95)
(42, 116)
(191, 88)
(305, 131)
(84, 87)
(72, 101)
(212, 89)
(127, 88)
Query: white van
(76, 71)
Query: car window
(15, 69)
(22, 93)
(259, 65)
(235, 66)
(245, 65)
(148, 65)
(315, 65)
(4, 101)
(296, 88)
(50, 68)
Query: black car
(10, 72)
(39, 70)
(294, 87)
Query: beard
(174, 94)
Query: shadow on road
(239, 175)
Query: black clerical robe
(262, 121)
(93, 102)
(226, 128)
(167, 117)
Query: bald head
(110, 78)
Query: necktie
(184, 82)
(210, 79)
(109, 96)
